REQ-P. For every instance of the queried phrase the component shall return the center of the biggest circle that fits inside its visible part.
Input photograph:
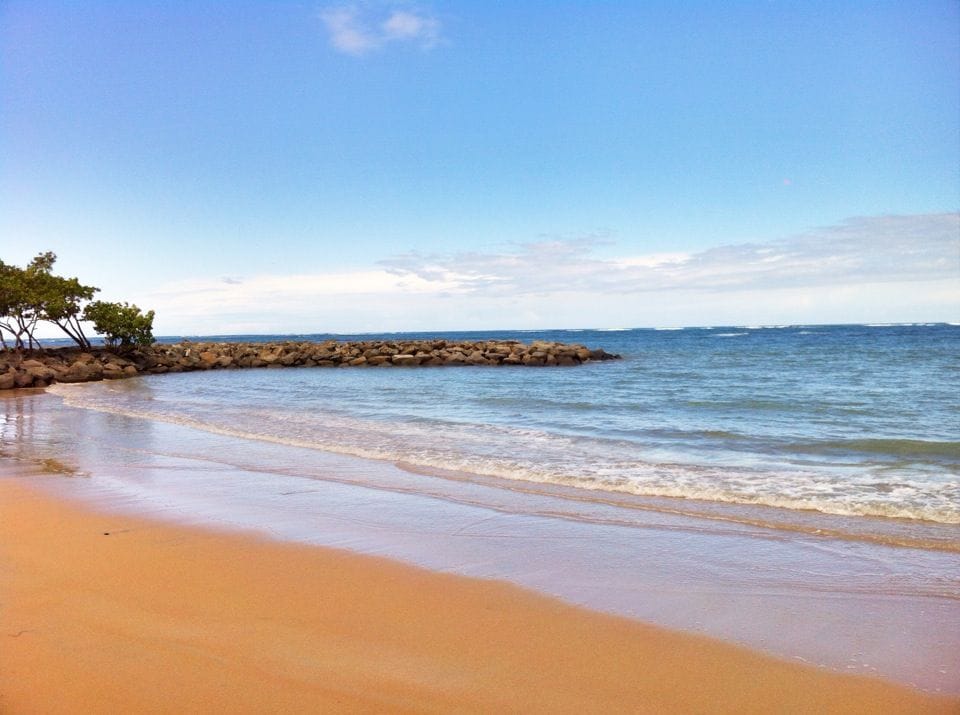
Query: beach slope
(107, 613)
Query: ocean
(762, 484)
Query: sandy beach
(108, 613)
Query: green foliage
(61, 301)
(27, 293)
(15, 317)
(33, 294)
(121, 324)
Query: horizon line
(657, 328)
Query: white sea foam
(536, 455)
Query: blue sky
(299, 166)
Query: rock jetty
(42, 368)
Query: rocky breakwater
(42, 368)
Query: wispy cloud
(359, 28)
(882, 269)
(413, 26)
(874, 249)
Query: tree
(45, 296)
(60, 303)
(33, 294)
(13, 310)
(121, 324)
(27, 293)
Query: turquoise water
(847, 420)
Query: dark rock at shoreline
(44, 367)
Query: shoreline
(853, 607)
(104, 612)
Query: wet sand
(111, 613)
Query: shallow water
(851, 420)
(790, 456)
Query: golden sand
(101, 613)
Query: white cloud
(405, 25)
(288, 291)
(879, 269)
(860, 250)
(347, 32)
(359, 28)
(652, 260)
(264, 303)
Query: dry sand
(108, 613)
